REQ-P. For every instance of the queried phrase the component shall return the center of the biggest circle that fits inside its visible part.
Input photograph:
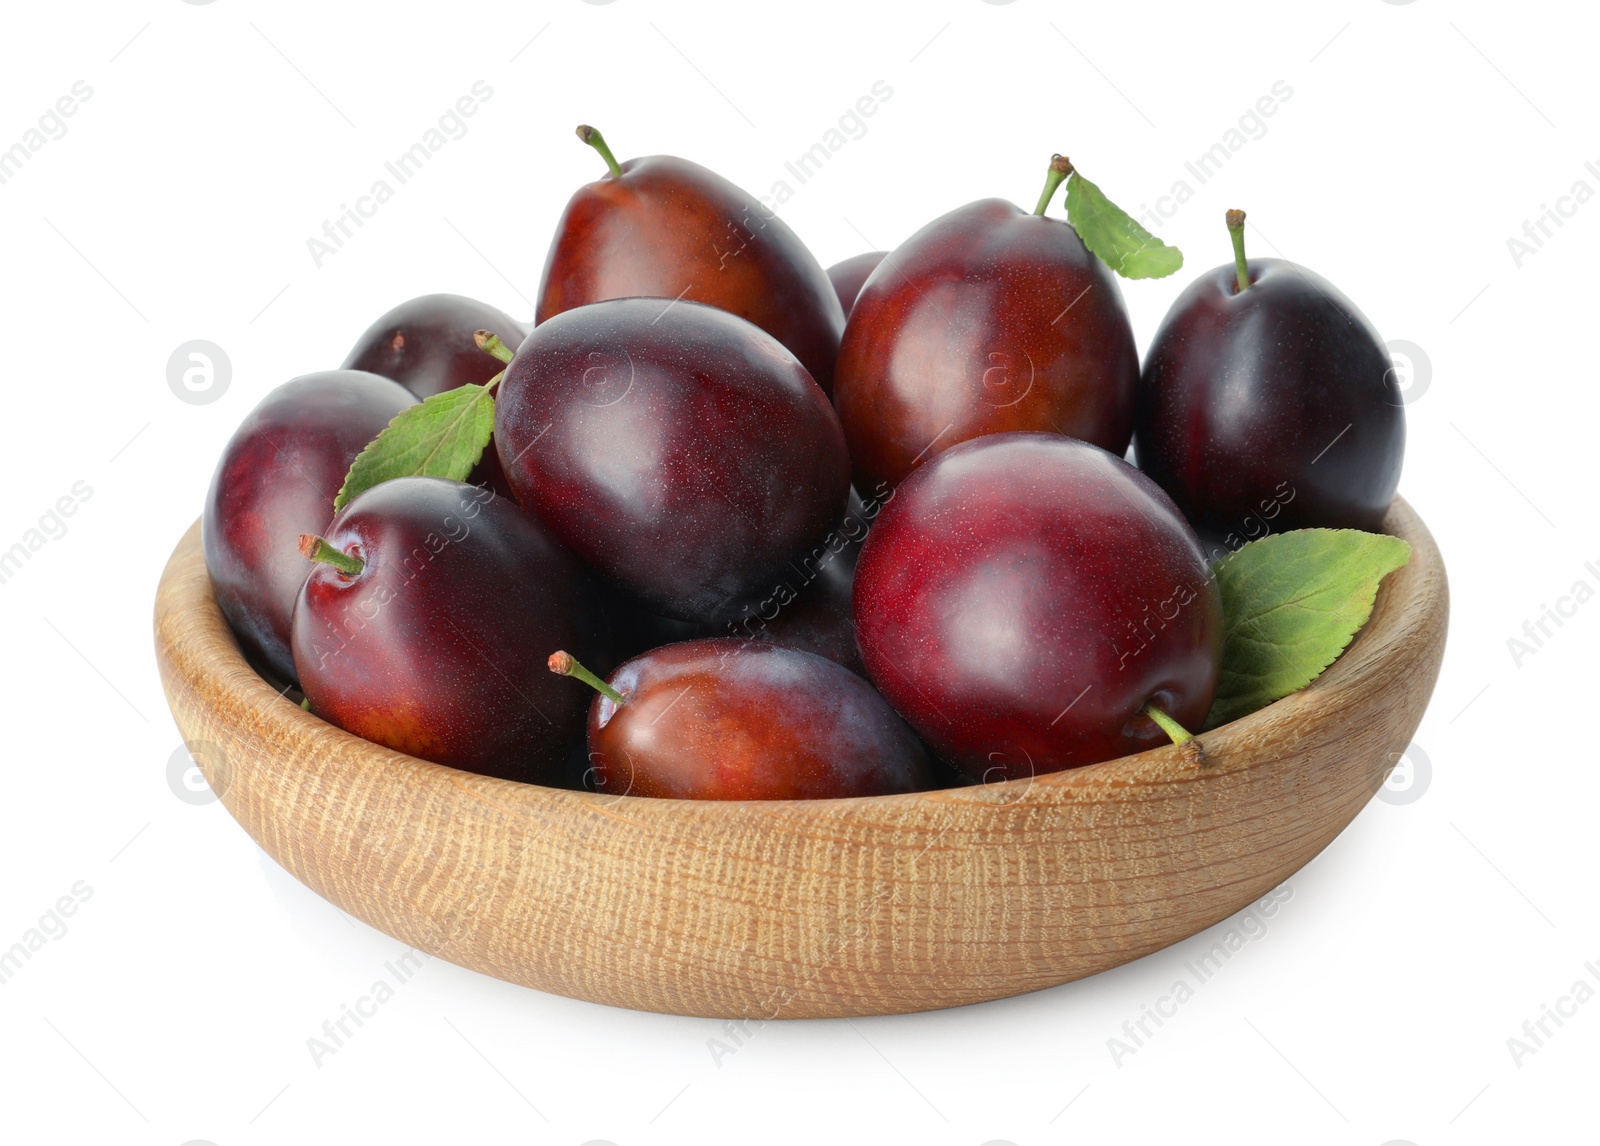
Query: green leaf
(443, 436)
(1291, 603)
(1111, 233)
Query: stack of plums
(750, 529)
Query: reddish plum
(1025, 595)
(725, 719)
(988, 319)
(665, 227)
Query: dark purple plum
(1272, 405)
(427, 346)
(680, 451)
(810, 609)
(816, 616)
(432, 637)
(848, 275)
(277, 479)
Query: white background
(1418, 139)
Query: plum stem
(594, 139)
(565, 664)
(490, 342)
(1179, 734)
(1060, 168)
(317, 549)
(1241, 268)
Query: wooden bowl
(768, 909)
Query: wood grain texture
(805, 908)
